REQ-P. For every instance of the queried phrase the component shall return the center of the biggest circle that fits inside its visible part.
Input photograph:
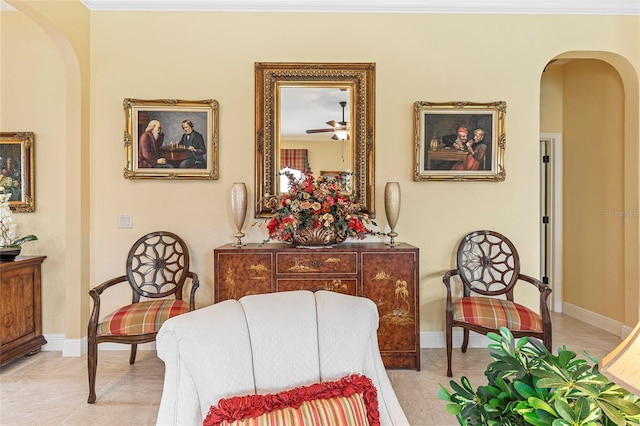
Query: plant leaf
(524, 389)
(612, 413)
(564, 410)
(622, 404)
(539, 404)
(532, 418)
(551, 382)
(444, 394)
(460, 390)
(20, 241)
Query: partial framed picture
(459, 141)
(171, 139)
(17, 170)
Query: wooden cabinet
(387, 275)
(20, 308)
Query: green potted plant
(527, 384)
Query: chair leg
(92, 364)
(465, 340)
(547, 341)
(449, 350)
(134, 350)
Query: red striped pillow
(351, 400)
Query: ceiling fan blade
(320, 130)
(333, 123)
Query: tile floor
(50, 389)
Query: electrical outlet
(125, 221)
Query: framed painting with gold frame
(171, 139)
(459, 141)
(17, 169)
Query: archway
(71, 38)
(599, 271)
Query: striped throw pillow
(350, 401)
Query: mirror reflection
(314, 132)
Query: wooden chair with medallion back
(157, 270)
(488, 266)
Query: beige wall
(33, 89)
(551, 99)
(594, 212)
(211, 55)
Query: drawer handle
(316, 263)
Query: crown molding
(516, 7)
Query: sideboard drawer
(317, 263)
(339, 285)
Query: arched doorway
(586, 97)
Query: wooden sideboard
(20, 308)
(389, 276)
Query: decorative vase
(392, 208)
(317, 237)
(8, 254)
(239, 209)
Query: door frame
(554, 140)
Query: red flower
(357, 226)
(272, 225)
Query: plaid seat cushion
(495, 313)
(141, 318)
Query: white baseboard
(428, 339)
(607, 324)
(124, 347)
(78, 347)
(626, 330)
(55, 342)
(436, 339)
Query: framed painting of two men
(459, 141)
(171, 139)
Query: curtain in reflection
(297, 159)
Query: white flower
(8, 233)
(7, 225)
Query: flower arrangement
(8, 235)
(320, 207)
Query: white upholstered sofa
(265, 344)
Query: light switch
(125, 221)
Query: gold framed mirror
(338, 100)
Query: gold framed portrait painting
(17, 169)
(171, 139)
(459, 141)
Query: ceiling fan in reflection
(340, 129)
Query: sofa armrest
(180, 404)
(207, 356)
(349, 344)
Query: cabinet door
(18, 305)
(324, 263)
(389, 279)
(241, 273)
